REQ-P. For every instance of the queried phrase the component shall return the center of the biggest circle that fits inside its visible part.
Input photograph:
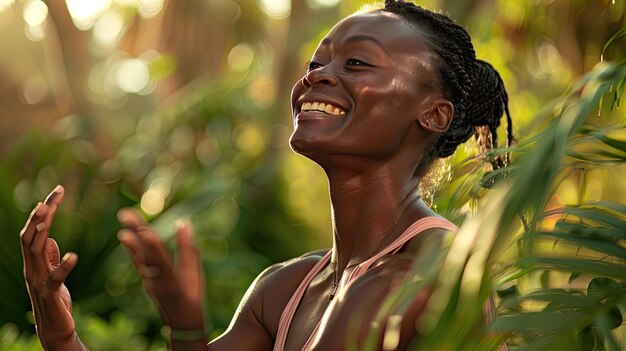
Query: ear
(437, 118)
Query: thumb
(58, 276)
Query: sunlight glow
(145, 8)
(6, 4)
(149, 8)
(86, 13)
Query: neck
(370, 210)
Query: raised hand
(175, 287)
(45, 274)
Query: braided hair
(473, 86)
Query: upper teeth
(320, 106)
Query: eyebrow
(359, 37)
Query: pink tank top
(290, 310)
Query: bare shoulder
(298, 265)
(255, 323)
(278, 283)
(275, 286)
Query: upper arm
(256, 320)
(246, 330)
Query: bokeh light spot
(108, 28)
(6, 4)
(277, 9)
(315, 4)
(207, 151)
(149, 8)
(224, 213)
(240, 57)
(36, 33)
(35, 89)
(86, 13)
(249, 138)
(262, 91)
(35, 12)
(132, 75)
(153, 200)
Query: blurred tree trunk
(299, 32)
(76, 58)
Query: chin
(310, 146)
(301, 144)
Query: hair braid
(473, 86)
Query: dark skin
(377, 69)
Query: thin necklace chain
(378, 247)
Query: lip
(317, 116)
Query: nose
(318, 76)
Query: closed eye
(355, 62)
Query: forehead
(394, 33)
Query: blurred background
(181, 109)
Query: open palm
(45, 273)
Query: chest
(357, 298)
(311, 309)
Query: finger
(55, 196)
(58, 276)
(130, 219)
(36, 253)
(153, 249)
(32, 224)
(188, 254)
(54, 255)
(130, 241)
(53, 200)
(188, 266)
(38, 244)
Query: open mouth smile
(322, 107)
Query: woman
(386, 93)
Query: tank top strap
(413, 230)
(290, 310)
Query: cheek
(390, 100)
(387, 109)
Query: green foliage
(207, 139)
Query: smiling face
(367, 83)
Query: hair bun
(488, 100)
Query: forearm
(199, 345)
(72, 345)
(188, 339)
